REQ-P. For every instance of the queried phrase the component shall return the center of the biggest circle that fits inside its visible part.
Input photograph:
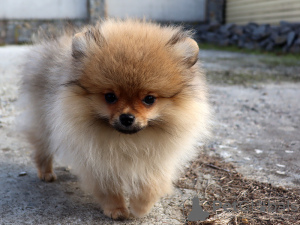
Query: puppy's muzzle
(127, 124)
(127, 119)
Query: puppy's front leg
(113, 204)
(142, 203)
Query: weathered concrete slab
(256, 128)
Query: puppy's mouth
(127, 130)
(134, 128)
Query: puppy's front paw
(117, 213)
(140, 210)
(48, 177)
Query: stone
(270, 46)
(251, 24)
(238, 30)
(224, 42)
(23, 173)
(235, 37)
(233, 41)
(249, 45)
(226, 28)
(260, 33)
(284, 23)
(297, 42)
(241, 43)
(226, 34)
(202, 28)
(211, 37)
(289, 24)
(264, 43)
(290, 38)
(250, 27)
(280, 40)
(295, 49)
(214, 27)
(284, 30)
(285, 49)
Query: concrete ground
(257, 128)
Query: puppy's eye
(110, 98)
(149, 99)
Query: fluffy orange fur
(64, 87)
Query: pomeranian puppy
(124, 103)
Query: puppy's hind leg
(44, 161)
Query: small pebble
(258, 151)
(280, 172)
(223, 146)
(289, 151)
(23, 173)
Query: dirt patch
(257, 203)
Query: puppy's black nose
(127, 119)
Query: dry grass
(229, 186)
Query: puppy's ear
(187, 49)
(79, 45)
(90, 38)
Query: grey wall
(43, 9)
(161, 10)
